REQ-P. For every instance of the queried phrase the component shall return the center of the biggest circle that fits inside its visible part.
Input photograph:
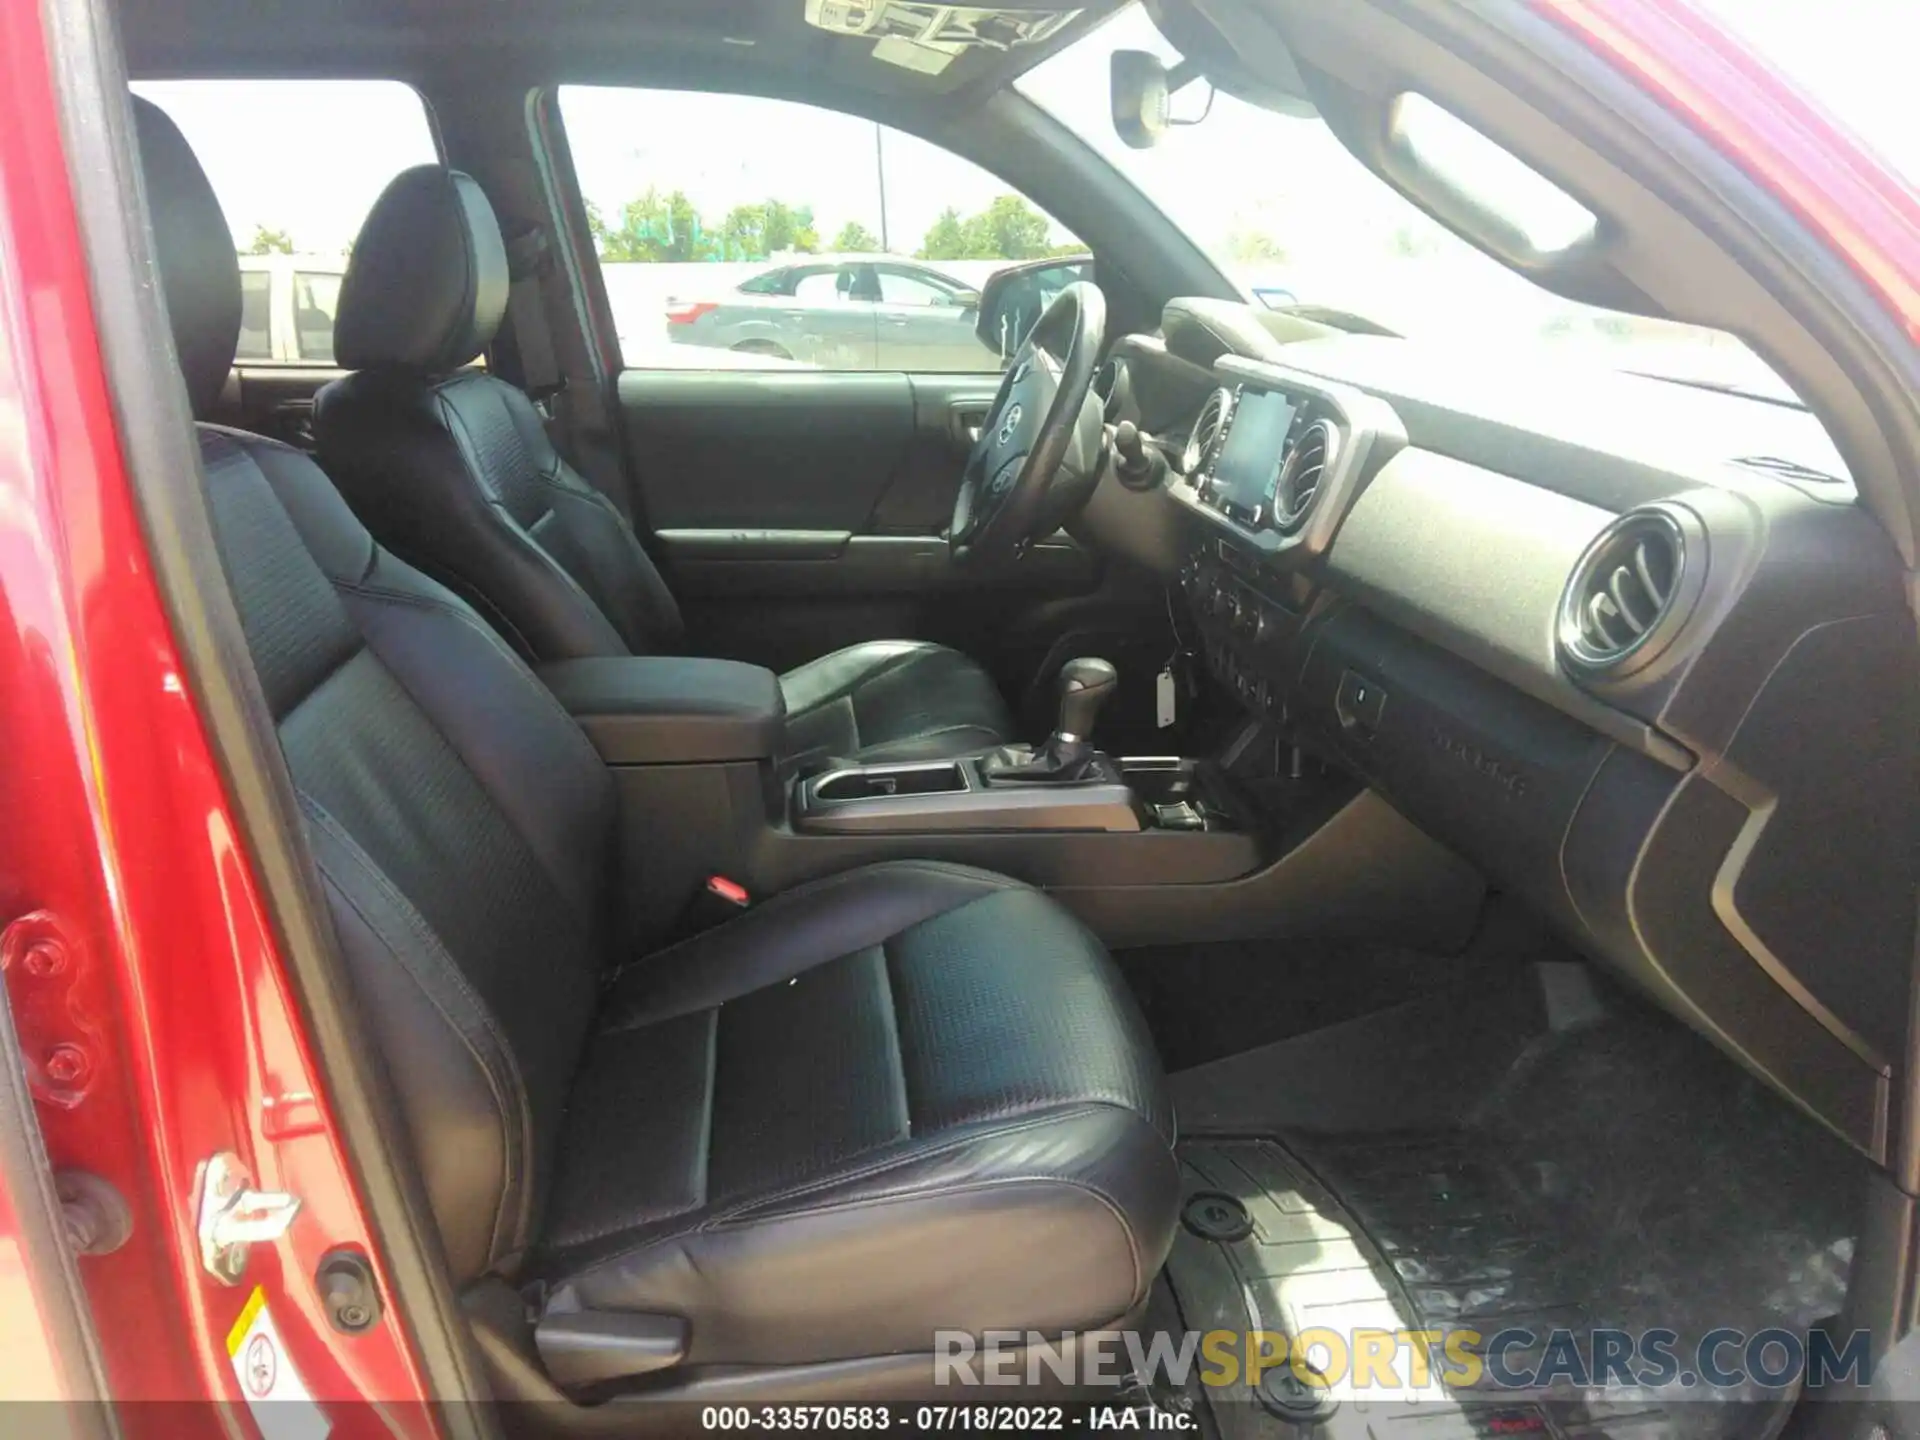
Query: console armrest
(671, 710)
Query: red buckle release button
(731, 891)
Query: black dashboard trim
(1725, 819)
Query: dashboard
(1629, 647)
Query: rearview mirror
(1138, 82)
(1013, 299)
(965, 299)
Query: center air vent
(1624, 600)
(1197, 458)
(1305, 467)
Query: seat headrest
(427, 283)
(199, 273)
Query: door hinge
(234, 1216)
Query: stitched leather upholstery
(454, 471)
(887, 1084)
(892, 700)
(461, 824)
(912, 1095)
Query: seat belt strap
(529, 263)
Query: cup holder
(1181, 794)
(1161, 782)
(880, 782)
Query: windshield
(1294, 219)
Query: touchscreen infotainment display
(1248, 469)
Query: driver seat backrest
(453, 468)
(453, 471)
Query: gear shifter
(1085, 687)
(1067, 756)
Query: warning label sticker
(282, 1405)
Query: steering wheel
(1037, 457)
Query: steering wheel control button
(1010, 426)
(1216, 1215)
(1006, 475)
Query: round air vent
(1305, 467)
(1629, 593)
(1207, 430)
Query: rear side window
(256, 323)
(739, 232)
(316, 297)
(899, 287)
(297, 164)
(828, 285)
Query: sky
(310, 157)
(305, 156)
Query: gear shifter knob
(1066, 758)
(1085, 686)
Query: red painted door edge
(1685, 59)
(166, 1032)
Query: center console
(1062, 785)
(1145, 850)
(947, 795)
(1123, 796)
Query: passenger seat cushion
(893, 700)
(911, 1090)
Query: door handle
(965, 418)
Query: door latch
(234, 1216)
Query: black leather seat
(913, 1095)
(453, 470)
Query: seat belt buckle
(714, 903)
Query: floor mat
(1420, 1063)
(1207, 1001)
(1223, 998)
(1621, 1175)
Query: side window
(316, 299)
(704, 237)
(824, 286)
(901, 287)
(297, 165)
(256, 303)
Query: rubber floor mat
(1622, 1178)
